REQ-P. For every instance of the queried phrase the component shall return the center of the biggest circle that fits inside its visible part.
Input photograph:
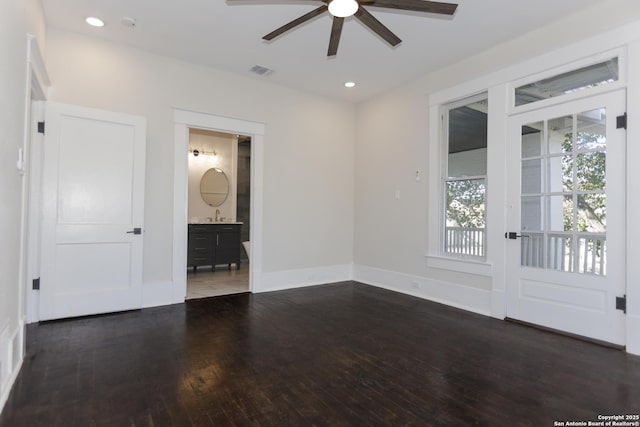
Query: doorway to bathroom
(219, 197)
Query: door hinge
(36, 284)
(621, 121)
(41, 127)
(621, 303)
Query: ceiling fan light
(343, 8)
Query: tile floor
(206, 283)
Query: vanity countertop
(213, 222)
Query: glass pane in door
(563, 193)
(592, 213)
(532, 140)
(560, 135)
(560, 173)
(532, 176)
(531, 208)
(591, 130)
(591, 171)
(560, 213)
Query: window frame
(444, 179)
(575, 65)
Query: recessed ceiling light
(95, 22)
(349, 84)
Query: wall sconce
(197, 152)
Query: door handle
(512, 235)
(136, 230)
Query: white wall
(393, 136)
(17, 18)
(225, 149)
(308, 163)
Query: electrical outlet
(415, 285)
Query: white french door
(93, 201)
(566, 203)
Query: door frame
(185, 120)
(35, 103)
(13, 337)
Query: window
(584, 78)
(465, 178)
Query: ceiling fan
(341, 9)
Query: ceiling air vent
(260, 70)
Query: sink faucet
(217, 213)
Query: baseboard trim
(567, 334)
(156, 294)
(13, 349)
(33, 306)
(633, 334)
(463, 297)
(290, 279)
(498, 304)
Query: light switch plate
(20, 161)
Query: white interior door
(93, 201)
(566, 206)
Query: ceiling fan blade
(336, 32)
(417, 5)
(370, 21)
(304, 18)
(273, 1)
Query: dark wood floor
(337, 355)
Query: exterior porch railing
(464, 241)
(586, 255)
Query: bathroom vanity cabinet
(214, 244)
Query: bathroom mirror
(214, 187)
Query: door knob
(512, 235)
(136, 230)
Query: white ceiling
(228, 37)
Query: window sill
(459, 265)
